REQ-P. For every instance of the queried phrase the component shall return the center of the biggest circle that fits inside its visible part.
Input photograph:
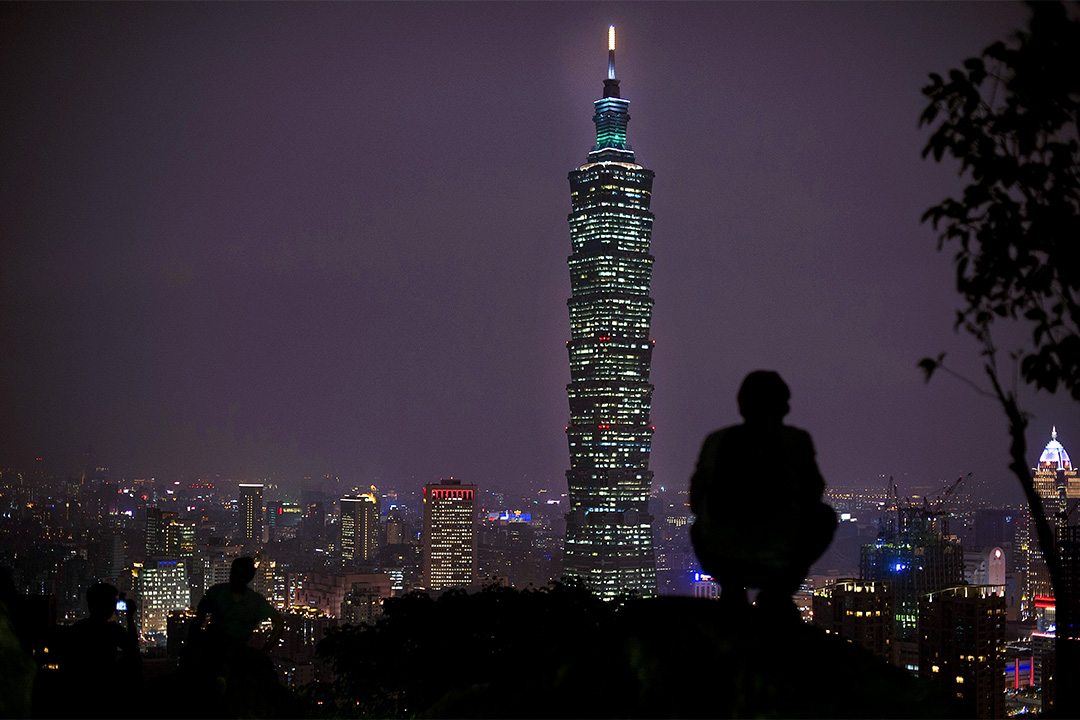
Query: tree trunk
(1066, 649)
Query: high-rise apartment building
(359, 527)
(449, 535)
(609, 533)
(962, 646)
(251, 511)
(857, 610)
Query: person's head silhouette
(242, 572)
(101, 600)
(763, 397)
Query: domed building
(1054, 455)
(1055, 475)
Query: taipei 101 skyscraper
(609, 537)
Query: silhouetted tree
(1010, 118)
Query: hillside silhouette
(560, 651)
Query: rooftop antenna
(611, 52)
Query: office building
(448, 539)
(161, 587)
(705, 586)
(359, 528)
(857, 610)
(986, 567)
(363, 603)
(609, 533)
(1058, 485)
(1055, 475)
(157, 531)
(962, 647)
(326, 592)
(251, 512)
(283, 520)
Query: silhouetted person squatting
(756, 493)
(234, 611)
(100, 658)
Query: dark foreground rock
(679, 657)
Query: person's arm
(814, 482)
(700, 480)
(128, 641)
(200, 618)
(132, 631)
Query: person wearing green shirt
(234, 612)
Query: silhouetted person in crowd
(235, 611)
(17, 668)
(100, 658)
(756, 493)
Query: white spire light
(611, 52)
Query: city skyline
(295, 240)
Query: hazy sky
(247, 238)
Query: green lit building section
(609, 537)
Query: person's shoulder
(259, 600)
(724, 434)
(115, 630)
(216, 590)
(796, 434)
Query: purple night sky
(299, 239)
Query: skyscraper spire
(611, 85)
(612, 114)
(611, 52)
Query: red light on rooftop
(1043, 601)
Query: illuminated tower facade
(359, 522)
(449, 534)
(251, 511)
(1058, 484)
(162, 587)
(1055, 477)
(609, 535)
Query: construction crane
(936, 511)
(952, 488)
(896, 500)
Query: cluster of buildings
(962, 595)
(322, 558)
